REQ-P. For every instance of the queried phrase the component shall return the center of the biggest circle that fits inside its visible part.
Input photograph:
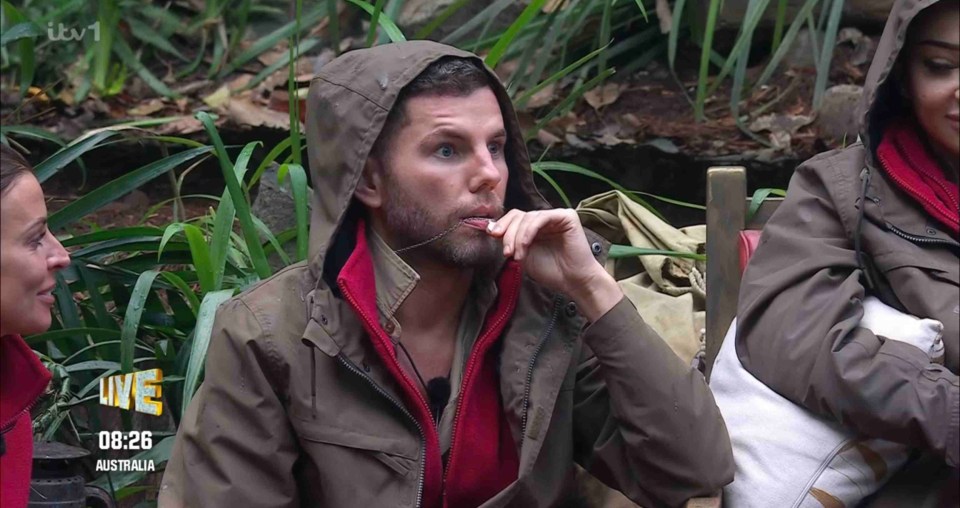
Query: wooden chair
(731, 239)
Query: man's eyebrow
(940, 44)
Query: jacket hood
(881, 101)
(347, 106)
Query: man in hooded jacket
(422, 358)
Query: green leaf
(120, 187)
(108, 14)
(383, 21)
(529, 12)
(553, 183)
(32, 132)
(524, 97)
(141, 232)
(200, 254)
(25, 48)
(66, 304)
(573, 168)
(184, 289)
(304, 46)
(758, 198)
(223, 223)
(704, 77)
(239, 200)
(91, 347)
(51, 165)
(55, 335)
(826, 53)
(122, 49)
(569, 100)
(270, 40)
(92, 282)
(131, 319)
(146, 33)
(439, 19)
(627, 251)
(788, 39)
(674, 35)
(374, 22)
(19, 31)
(201, 341)
(271, 157)
(298, 184)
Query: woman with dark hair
(29, 258)
(876, 219)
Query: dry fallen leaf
(665, 16)
(546, 138)
(147, 108)
(185, 125)
(218, 98)
(244, 113)
(602, 95)
(542, 98)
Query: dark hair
(12, 166)
(449, 76)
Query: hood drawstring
(870, 276)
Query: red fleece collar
(481, 432)
(908, 162)
(22, 379)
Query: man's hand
(551, 247)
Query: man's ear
(370, 189)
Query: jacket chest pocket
(928, 288)
(357, 467)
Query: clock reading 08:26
(133, 440)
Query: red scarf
(908, 162)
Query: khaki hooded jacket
(627, 409)
(802, 294)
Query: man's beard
(463, 247)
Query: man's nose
(486, 174)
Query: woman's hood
(881, 101)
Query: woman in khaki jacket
(877, 218)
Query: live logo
(142, 386)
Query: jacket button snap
(931, 232)
(389, 327)
(323, 319)
(596, 248)
(571, 309)
(366, 368)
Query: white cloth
(788, 457)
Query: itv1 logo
(141, 386)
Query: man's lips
(479, 218)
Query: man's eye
(446, 151)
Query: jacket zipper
(423, 440)
(423, 435)
(533, 360)
(919, 239)
(471, 366)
